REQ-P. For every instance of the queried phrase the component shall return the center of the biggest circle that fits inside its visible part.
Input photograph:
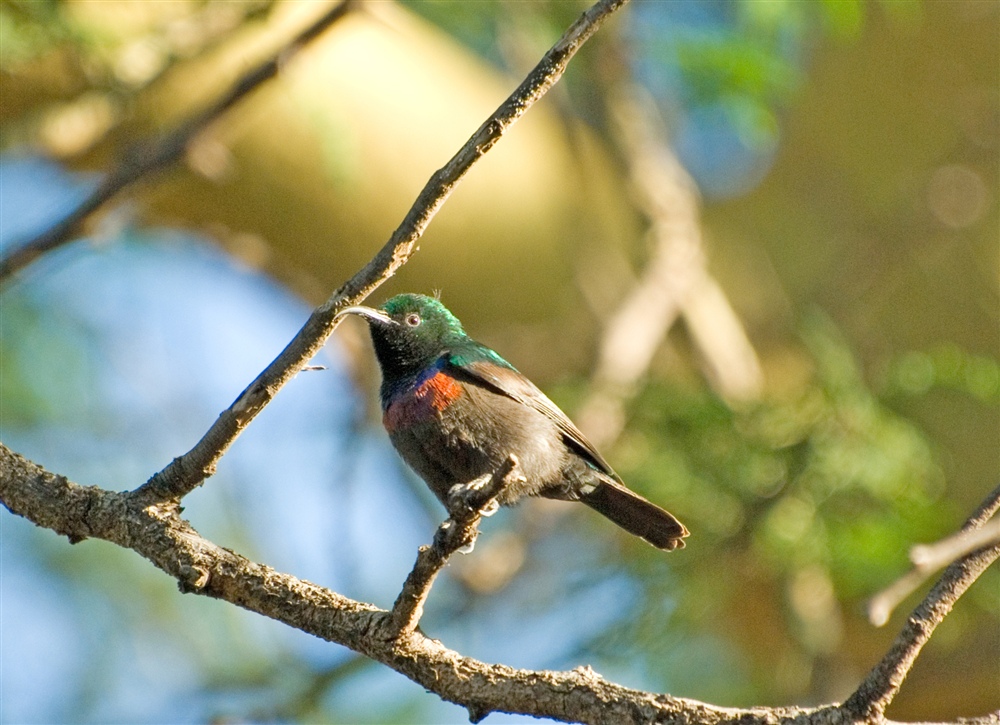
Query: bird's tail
(636, 515)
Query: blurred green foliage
(944, 367)
(43, 342)
(813, 497)
(30, 29)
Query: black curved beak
(369, 313)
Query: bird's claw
(463, 495)
(477, 483)
(467, 549)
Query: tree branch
(870, 700)
(187, 472)
(931, 557)
(458, 532)
(142, 161)
(148, 520)
(158, 533)
(927, 559)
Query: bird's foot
(464, 495)
(467, 549)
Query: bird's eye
(412, 319)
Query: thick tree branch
(187, 472)
(144, 160)
(157, 532)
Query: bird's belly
(471, 436)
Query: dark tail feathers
(636, 515)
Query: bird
(455, 410)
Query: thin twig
(927, 559)
(879, 688)
(187, 472)
(931, 557)
(142, 161)
(883, 604)
(457, 532)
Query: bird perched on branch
(455, 410)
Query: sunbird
(455, 410)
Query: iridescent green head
(409, 332)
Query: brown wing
(497, 375)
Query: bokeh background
(799, 198)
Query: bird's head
(409, 332)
